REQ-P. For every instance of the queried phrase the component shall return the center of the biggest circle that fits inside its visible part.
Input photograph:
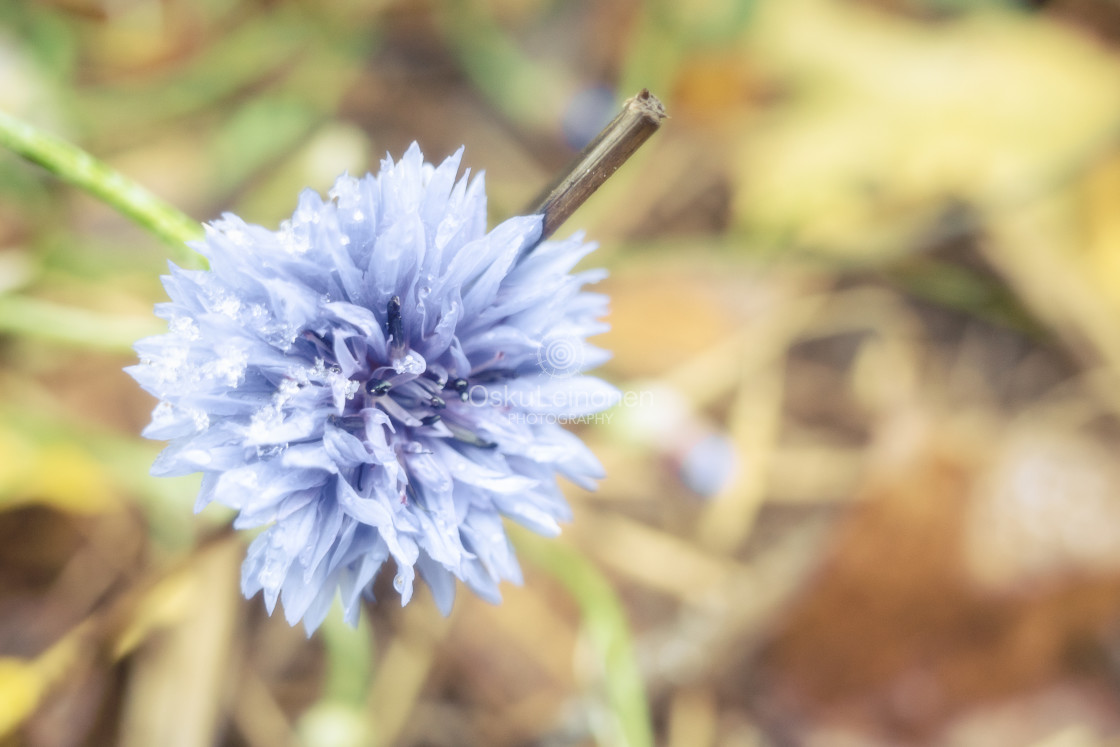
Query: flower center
(413, 393)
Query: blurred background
(864, 490)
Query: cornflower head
(381, 378)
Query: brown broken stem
(640, 117)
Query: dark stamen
(494, 374)
(348, 422)
(437, 402)
(394, 329)
(468, 437)
(430, 419)
(460, 387)
(378, 388)
(429, 386)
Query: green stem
(605, 625)
(339, 717)
(74, 165)
(349, 654)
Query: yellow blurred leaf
(57, 474)
(889, 120)
(21, 688)
(18, 459)
(1101, 252)
(68, 478)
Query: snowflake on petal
(370, 383)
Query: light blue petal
(441, 582)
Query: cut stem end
(640, 117)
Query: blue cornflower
(380, 378)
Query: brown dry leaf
(665, 314)
(176, 689)
(894, 638)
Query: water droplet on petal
(184, 327)
(200, 419)
(270, 576)
(410, 363)
(271, 451)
